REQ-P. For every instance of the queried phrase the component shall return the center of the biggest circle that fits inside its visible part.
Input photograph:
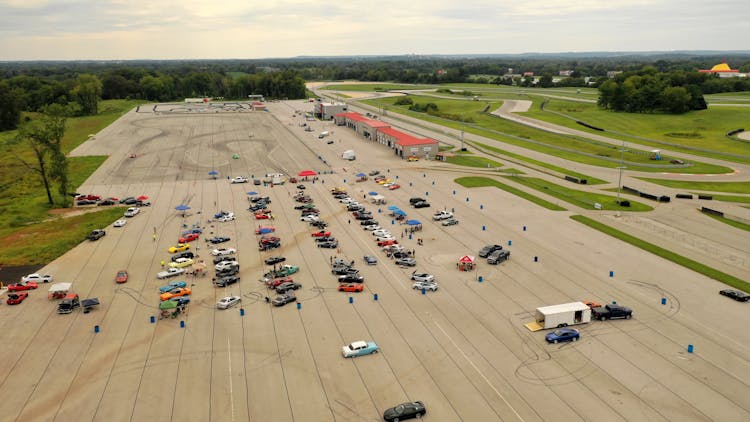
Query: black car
(105, 203)
(329, 245)
(369, 223)
(219, 239)
(96, 234)
(269, 245)
(223, 258)
(274, 260)
(354, 207)
(128, 201)
(265, 199)
(398, 255)
(364, 217)
(351, 278)
(85, 202)
(343, 270)
(225, 281)
(186, 254)
(256, 182)
(283, 299)
(413, 201)
(403, 411)
(287, 286)
(421, 204)
(737, 295)
(319, 224)
(257, 207)
(228, 272)
(303, 187)
(325, 239)
(485, 251)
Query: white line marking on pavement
(480, 372)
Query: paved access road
(462, 350)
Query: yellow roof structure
(721, 67)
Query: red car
(276, 281)
(16, 298)
(188, 238)
(17, 287)
(394, 187)
(261, 216)
(351, 287)
(268, 239)
(388, 242)
(121, 277)
(88, 197)
(321, 233)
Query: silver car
(228, 302)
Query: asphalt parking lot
(462, 350)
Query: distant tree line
(38, 85)
(648, 90)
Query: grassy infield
(694, 129)
(29, 233)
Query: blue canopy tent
(361, 175)
(251, 193)
(399, 212)
(392, 207)
(213, 173)
(413, 222)
(182, 208)
(372, 193)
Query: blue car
(171, 286)
(563, 334)
(181, 300)
(360, 348)
(192, 231)
(219, 239)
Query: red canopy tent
(305, 173)
(466, 263)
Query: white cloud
(130, 29)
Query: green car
(287, 270)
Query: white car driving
(120, 223)
(347, 200)
(381, 232)
(426, 285)
(170, 272)
(226, 217)
(132, 212)
(442, 215)
(228, 302)
(373, 227)
(239, 179)
(309, 218)
(225, 265)
(384, 237)
(223, 251)
(37, 278)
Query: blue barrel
(480, 279)
(524, 228)
(351, 299)
(664, 301)
(611, 274)
(484, 228)
(299, 305)
(690, 348)
(375, 296)
(96, 328)
(242, 311)
(182, 324)
(424, 291)
(536, 259)
(510, 242)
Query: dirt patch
(13, 274)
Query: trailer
(562, 315)
(349, 155)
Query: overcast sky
(191, 29)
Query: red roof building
(403, 144)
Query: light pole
(621, 168)
(462, 132)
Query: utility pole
(462, 132)
(621, 168)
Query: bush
(404, 101)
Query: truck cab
(612, 312)
(69, 303)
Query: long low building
(402, 144)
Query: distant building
(723, 70)
(327, 111)
(525, 74)
(565, 73)
(402, 144)
(612, 73)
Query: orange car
(388, 242)
(592, 304)
(351, 287)
(122, 276)
(188, 238)
(182, 291)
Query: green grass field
(578, 198)
(473, 161)
(705, 129)
(567, 147)
(41, 243)
(728, 187)
(476, 182)
(725, 278)
(373, 87)
(23, 202)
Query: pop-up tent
(466, 263)
(58, 290)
